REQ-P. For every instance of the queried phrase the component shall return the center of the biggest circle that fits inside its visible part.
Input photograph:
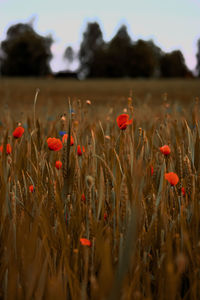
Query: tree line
(26, 53)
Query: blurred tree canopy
(173, 65)
(24, 52)
(145, 59)
(91, 45)
(122, 57)
(119, 54)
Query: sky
(172, 24)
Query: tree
(118, 54)
(173, 65)
(144, 60)
(198, 58)
(69, 55)
(91, 43)
(120, 57)
(24, 52)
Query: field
(19, 93)
(96, 216)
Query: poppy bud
(31, 188)
(58, 164)
(165, 150)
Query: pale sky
(172, 24)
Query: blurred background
(87, 39)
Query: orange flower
(8, 149)
(172, 178)
(183, 191)
(85, 242)
(58, 164)
(18, 132)
(83, 198)
(165, 150)
(65, 137)
(54, 144)
(123, 121)
(31, 188)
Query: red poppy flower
(183, 191)
(8, 149)
(123, 121)
(18, 132)
(31, 188)
(172, 178)
(165, 150)
(54, 144)
(65, 137)
(79, 151)
(85, 242)
(58, 164)
(83, 198)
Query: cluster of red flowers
(55, 144)
(171, 177)
(17, 133)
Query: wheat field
(94, 216)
